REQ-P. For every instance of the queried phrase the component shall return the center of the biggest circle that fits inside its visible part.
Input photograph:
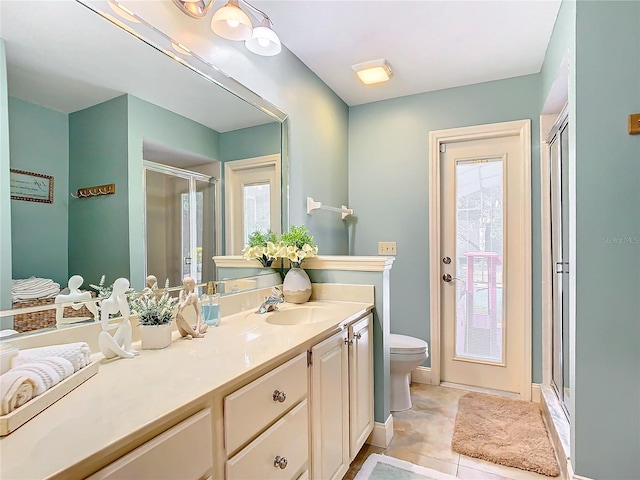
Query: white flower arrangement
(297, 245)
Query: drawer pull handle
(358, 336)
(280, 462)
(279, 396)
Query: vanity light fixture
(373, 71)
(264, 41)
(231, 22)
(194, 8)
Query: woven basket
(27, 322)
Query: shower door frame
(192, 177)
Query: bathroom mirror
(88, 101)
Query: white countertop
(128, 394)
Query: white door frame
(232, 167)
(521, 128)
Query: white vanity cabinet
(273, 409)
(360, 384)
(184, 451)
(341, 399)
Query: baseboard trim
(421, 375)
(382, 433)
(535, 392)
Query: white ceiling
(431, 45)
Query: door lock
(447, 278)
(446, 260)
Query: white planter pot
(154, 337)
(296, 287)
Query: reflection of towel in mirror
(16, 389)
(78, 353)
(33, 287)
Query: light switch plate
(634, 124)
(386, 248)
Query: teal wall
(389, 177)
(606, 388)
(39, 142)
(318, 136)
(150, 122)
(250, 142)
(98, 226)
(5, 204)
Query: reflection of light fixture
(178, 47)
(264, 41)
(123, 11)
(231, 22)
(194, 8)
(374, 71)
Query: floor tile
(422, 435)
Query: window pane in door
(257, 208)
(479, 254)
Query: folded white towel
(44, 375)
(15, 390)
(31, 288)
(78, 353)
(62, 366)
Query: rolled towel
(15, 390)
(44, 375)
(78, 353)
(62, 366)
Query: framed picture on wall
(31, 187)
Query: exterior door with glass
(482, 264)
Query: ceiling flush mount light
(231, 22)
(374, 71)
(194, 8)
(264, 41)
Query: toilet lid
(403, 344)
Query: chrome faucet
(270, 303)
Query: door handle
(560, 267)
(447, 278)
(446, 260)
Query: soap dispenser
(210, 305)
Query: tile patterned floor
(423, 435)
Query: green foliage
(259, 239)
(297, 236)
(153, 309)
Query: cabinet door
(330, 408)
(360, 384)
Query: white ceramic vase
(154, 337)
(296, 287)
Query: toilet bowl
(406, 354)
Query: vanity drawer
(288, 438)
(254, 406)
(184, 451)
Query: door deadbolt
(446, 260)
(446, 277)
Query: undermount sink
(299, 315)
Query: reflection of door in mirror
(252, 199)
(179, 223)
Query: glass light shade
(231, 22)
(264, 41)
(375, 71)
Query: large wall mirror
(92, 104)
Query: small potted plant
(261, 247)
(297, 245)
(155, 318)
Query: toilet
(407, 353)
